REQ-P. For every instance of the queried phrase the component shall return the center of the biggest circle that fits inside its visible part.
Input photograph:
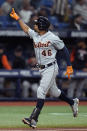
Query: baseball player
(46, 45)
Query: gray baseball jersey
(45, 50)
(45, 46)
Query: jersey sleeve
(31, 33)
(58, 43)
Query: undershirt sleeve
(65, 54)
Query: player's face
(1, 51)
(36, 28)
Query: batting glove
(14, 15)
(69, 71)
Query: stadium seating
(6, 22)
(62, 25)
(47, 3)
(3, 21)
(1, 2)
(53, 21)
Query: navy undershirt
(66, 56)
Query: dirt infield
(48, 129)
(33, 103)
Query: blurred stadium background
(18, 78)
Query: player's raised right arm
(14, 15)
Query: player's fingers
(11, 15)
(13, 11)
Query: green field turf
(51, 116)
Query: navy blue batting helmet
(43, 23)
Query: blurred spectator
(4, 63)
(81, 8)
(47, 3)
(54, 23)
(18, 5)
(85, 1)
(31, 63)
(61, 9)
(7, 6)
(73, 2)
(26, 12)
(76, 23)
(79, 61)
(1, 2)
(1, 12)
(43, 12)
(35, 3)
(19, 62)
(79, 56)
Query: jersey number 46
(46, 53)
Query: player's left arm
(66, 55)
(60, 46)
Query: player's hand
(14, 15)
(69, 71)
